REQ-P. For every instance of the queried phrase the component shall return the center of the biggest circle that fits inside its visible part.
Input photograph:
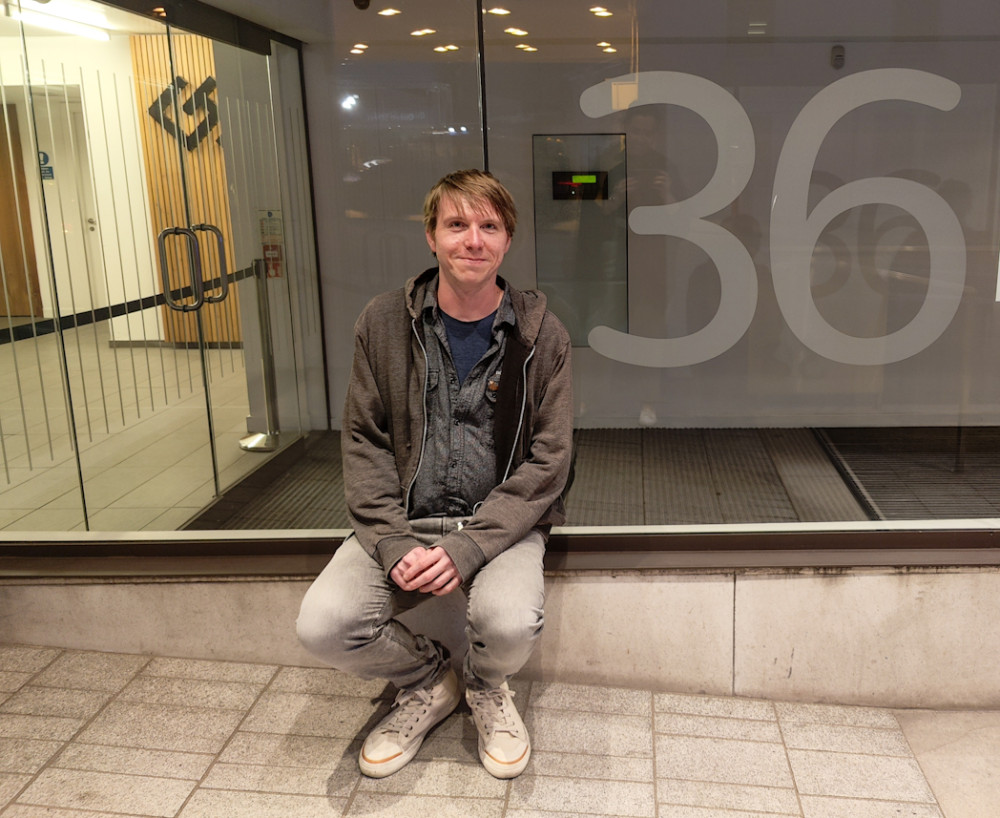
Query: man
(457, 437)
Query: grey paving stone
(308, 715)
(192, 693)
(326, 681)
(317, 752)
(91, 671)
(156, 727)
(11, 680)
(16, 725)
(671, 794)
(680, 724)
(134, 761)
(814, 807)
(373, 805)
(859, 776)
(130, 794)
(573, 765)
(622, 799)
(26, 755)
(730, 708)
(31, 700)
(591, 699)
(207, 670)
(222, 804)
(838, 738)
(10, 786)
(722, 761)
(598, 734)
(25, 658)
(836, 714)
(282, 780)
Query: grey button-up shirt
(458, 468)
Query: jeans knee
(323, 631)
(508, 631)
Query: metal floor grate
(622, 477)
(925, 472)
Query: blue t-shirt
(468, 341)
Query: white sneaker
(396, 739)
(504, 747)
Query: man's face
(470, 242)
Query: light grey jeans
(348, 616)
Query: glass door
(154, 217)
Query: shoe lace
(411, 706)
(493, 710)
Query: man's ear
(431, 243)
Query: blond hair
(475, 189)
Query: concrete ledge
(892, 637)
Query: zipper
(520, 420)
(423, 402)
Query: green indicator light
(584, 179)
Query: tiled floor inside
(97, 734)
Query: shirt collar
(505, 312)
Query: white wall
(99, 75)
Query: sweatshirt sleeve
(371, 480)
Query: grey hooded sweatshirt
(384, 429)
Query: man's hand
(428, 570)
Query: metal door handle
(194, 263)
(211, 228)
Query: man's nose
(474, 236)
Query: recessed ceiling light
(390, 12)
(498, 10)
(600, 11)
(603, 45)
(610, 50)
(517, 32)
(441, 49)
(361, 46)
(423, 32)
(357, 51)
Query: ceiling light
(361, 46)
(423, 32)
(529, 48)
(60, 24)
(390, 12)
(357, 51)
(603, 45)
(610, 50)
(600, 11)
(441, 49)
(499, 11)
(517, 32)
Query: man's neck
(469, 306)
